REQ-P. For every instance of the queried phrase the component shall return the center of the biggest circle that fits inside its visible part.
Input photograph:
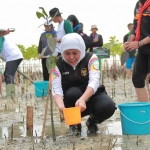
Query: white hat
(94, 27)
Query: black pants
(100, 106)
(45, 71)
(140, 70)
(10, 70)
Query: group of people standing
(76, 77)
(66, 26)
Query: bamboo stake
(46, 108)
(29, 120)
(51, 104)
(12, 132)
(45, 115)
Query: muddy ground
(13, 112)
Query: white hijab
(73, 41)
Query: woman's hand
(81, 103)
(131, 45)
(59, 102)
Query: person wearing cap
(97, 38)
(49, 29)
(76, 82)
(64, 26)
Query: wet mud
(13, 118)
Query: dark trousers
(100, 106)
(140, 70)
(10, 70)
(45, 71)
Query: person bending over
(76, 82)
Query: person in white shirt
(63, 28)
(76, 82)
(13, 57)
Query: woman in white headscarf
(76, 82)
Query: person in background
(78, 28)
(132, 54)
(12, 55)
(81, 26)
(76, 82)
(1, 81)
(64, 27)
(97, 38)
(140, 39)
(49, 29)
(2, 33)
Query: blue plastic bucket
(41, 88)
(135, 118)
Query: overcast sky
(111, 17)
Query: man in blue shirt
(131, 58)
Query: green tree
(116, 47)
(30, 52)
(22, 48)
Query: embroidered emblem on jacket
(55, 74)
(84, 72)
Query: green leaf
(50, 63)
(43, 11)
(47, 35)
(43, 51)
(51, 42)
(39, 15)
(54, 16)
(30, 52)
(116, 47)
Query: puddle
(114, 128)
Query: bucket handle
(40, 90)
(132, 120)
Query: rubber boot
(10, 90)
(92, 126)
(75, 129)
